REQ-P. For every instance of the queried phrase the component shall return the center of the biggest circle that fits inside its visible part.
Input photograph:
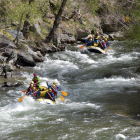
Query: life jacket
(50, 95)
(96, 37)
(35, 80)
(102, 46)
(34, 93)
(30, 90)
(90, 39)
(55, 92)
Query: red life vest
(53, 90)
(102, 46)
(50, 95)
(35, 80)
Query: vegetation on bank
(77, 14)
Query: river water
(103, 101)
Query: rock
(62, 47)
(11, 56)
(32, 28)
(39, 54)
(2, 59)
(106, 35)
(37, 27)
(25, 59)
(136, 124)
(110, 27)
(9, 84)
(111, 36)
(65, 38)
(4, 42)
(79, 42)
(44, 48)
(32, 53)
(14, 34)
(82, 33)
(119, 35)
(82, 39)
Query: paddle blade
(24, 91)
(24, 97)
(109, 48)
(64, 93)
(81, 47)
(20, 99)
(62, 98)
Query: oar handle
(50, 96)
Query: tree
(21, 10)
(56, 22)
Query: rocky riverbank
(77, 22)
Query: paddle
(108, 48)
(62, 98)
(24, 91)
(81, 47)
(23, 97)
(51, 97)
(64, 93)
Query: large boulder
(82, 33)
(4, 42)
(25, 59)
(66, 38)
(110, 27)
(43, 48)
(14, 34)
(11, 56)
(33, 54)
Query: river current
(103, 101)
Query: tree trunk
(56, 23)
(18, 30)
(26, 29)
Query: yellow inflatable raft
(96, 49)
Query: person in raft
(36, 81)
(89, 41)
(103, 45)
(106, 42)
(54, 88)
(96, 38)
(50, 95)
(34, 92)
(30, 88)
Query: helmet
(50, 89)
(35, 74)
(34, 88)
(103, 37)
(103, 41)
(31, 85)
(34, 85)
(91, 39)
(54, 82)
(53, 86)
(32, 82)
(96, 32)
(90, 35)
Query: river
(103, 101)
